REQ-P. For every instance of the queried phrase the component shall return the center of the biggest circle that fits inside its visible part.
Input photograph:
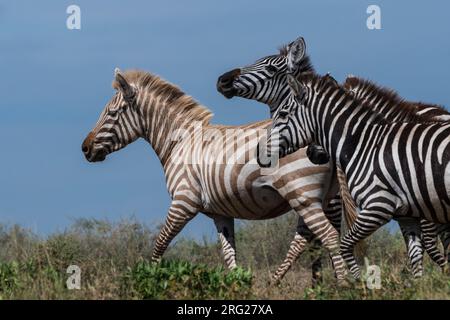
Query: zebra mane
(328, 81)
(370, 89)
(177, 103)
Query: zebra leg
(180, 213)
(297, 246)
(412, 235)
(444, 234)
(321, 227)
(225, 228)
(430, 240)
(304, 235)
(367, 222)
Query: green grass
(114, 263)
(184, 280)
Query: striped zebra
(393, 169)
(210, 168)
(382, 100)
(265, 81)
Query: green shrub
(184, 280)
(9, 278)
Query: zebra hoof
(275, 280)
(156, 261)
(446, 269)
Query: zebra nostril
(226, 80)
(85, 148)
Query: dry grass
(35, 268)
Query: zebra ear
(296, 52)
(123, 86)
(297, 88)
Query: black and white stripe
(265, 81)
(393, 168)
(201, 175)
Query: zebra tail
(349, 212)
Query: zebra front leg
(180, 213)
(367, 222)
(225, 228)
(430, 241)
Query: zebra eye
(271, 69)
(113, 113)
(284, 113)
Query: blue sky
(56, 81)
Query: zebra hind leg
(225, 229)
(444, 234)
(296, 247)
(430, 240)
(323, 230)
(412, 235)
(367, 222)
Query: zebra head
(265, 80)
(118, 124)
(290, 131)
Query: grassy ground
(113, 258)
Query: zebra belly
(410, 173)
(245, 194)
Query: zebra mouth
(227, 92)
(96, 157)
(225, 83)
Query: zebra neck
(282, 99)
(340, 122)
(167, 127)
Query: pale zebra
(265, 81)
(393, 168)
(200, 174)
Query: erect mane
(371, 89)
(177, 102)
(327, 80)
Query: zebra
(382, 99)
(195, 158)
(266, 81)
(394, 169)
